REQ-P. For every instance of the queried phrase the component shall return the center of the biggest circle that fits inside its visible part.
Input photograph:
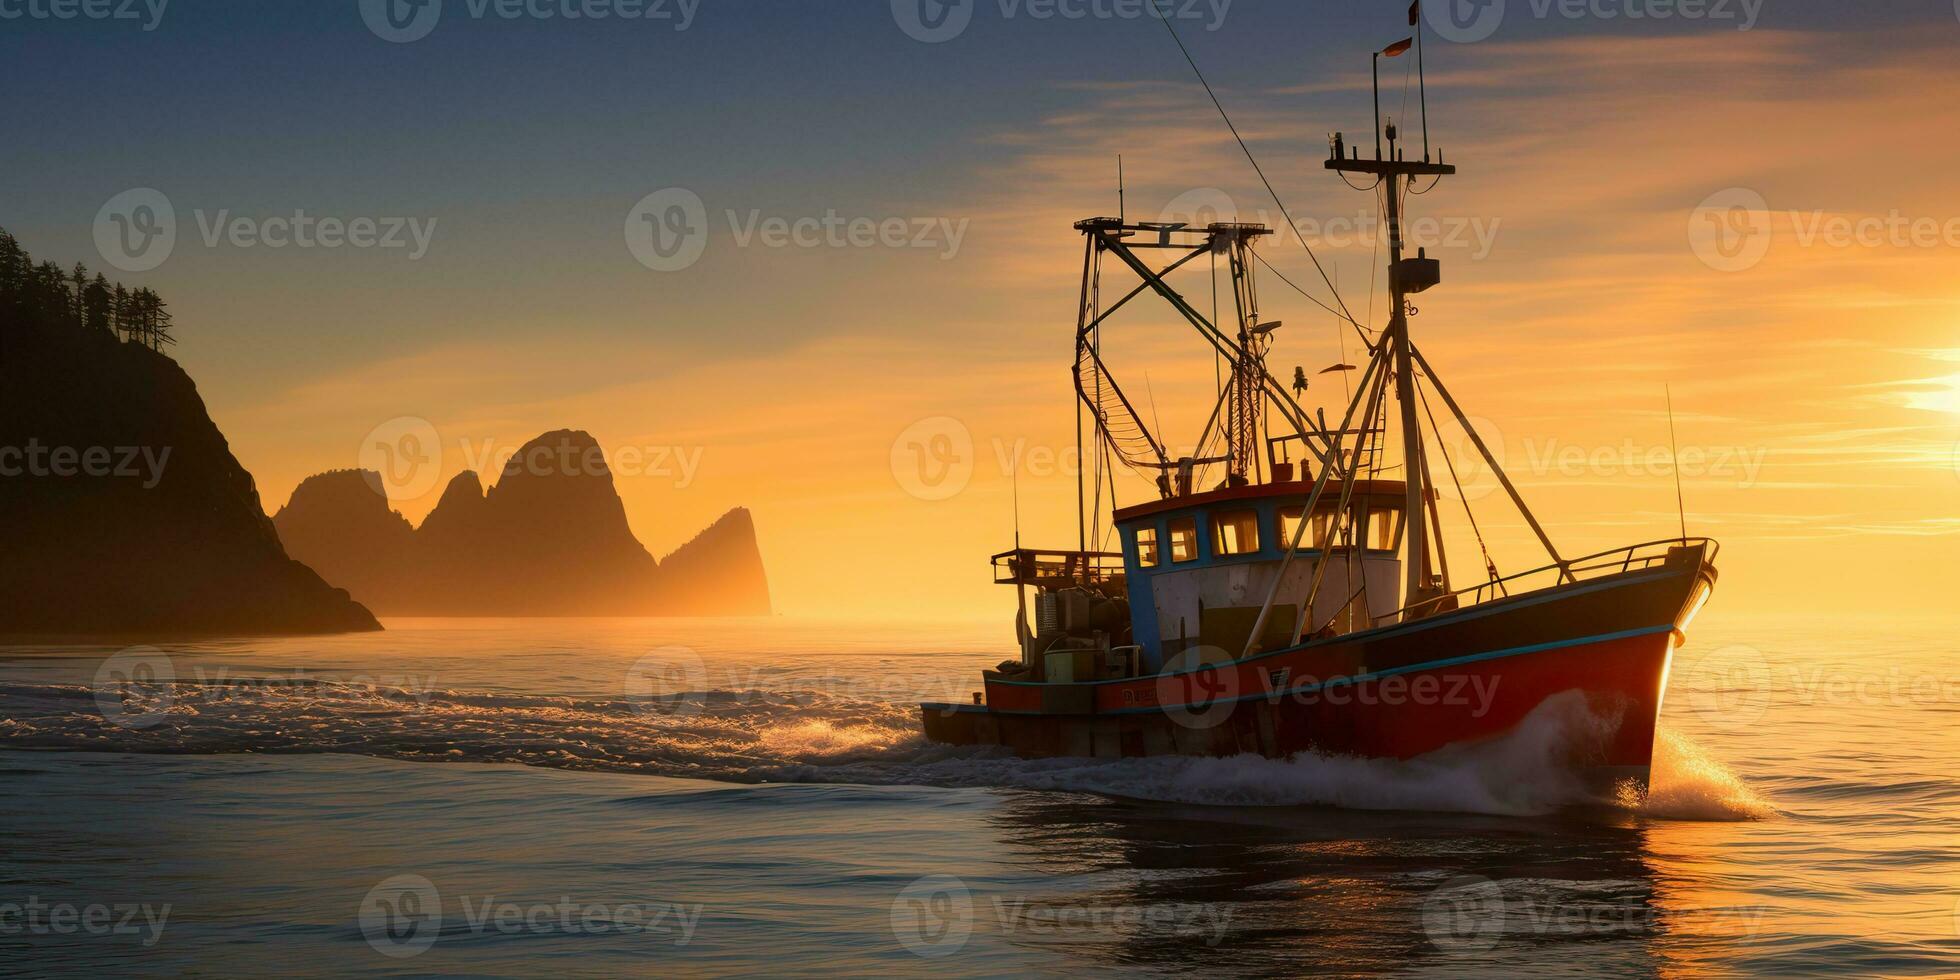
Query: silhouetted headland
(549, 539)
(122, 509)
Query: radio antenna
(1122, 214)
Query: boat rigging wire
(1490, 567)
(1247, 150)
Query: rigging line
(1168, 26)
(1490, 567)
(1217, 359)
(1354, 186)
(1340, 340)
(1102, 423)
(1364, 329)
(1374, 258)
(1408, 70)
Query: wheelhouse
(1198, 568)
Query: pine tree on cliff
(153, 319)
(95, 304)
(46, 298)
(79, 279)
(122, 313)
(14, 270)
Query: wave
(804, 736)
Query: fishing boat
(1287, 588)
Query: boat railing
(1057, 569)
(1617, 561)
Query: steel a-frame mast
(1405, 276)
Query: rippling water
(714, 797)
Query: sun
(1936, 395)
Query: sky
(866, 331)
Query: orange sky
(1817, 390)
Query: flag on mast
(1396, 49)
(1414, 8)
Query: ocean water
(610, 797)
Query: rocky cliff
(122, 510)
(550, 538)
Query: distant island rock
(549, 539)
(122, 510)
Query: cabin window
(1147, 554)
(1184, 539)
(1289, 525)
(1236, 533)
(1384, 527)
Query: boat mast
(1392, 175)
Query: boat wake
(770, 736)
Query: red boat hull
(1396, 692)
